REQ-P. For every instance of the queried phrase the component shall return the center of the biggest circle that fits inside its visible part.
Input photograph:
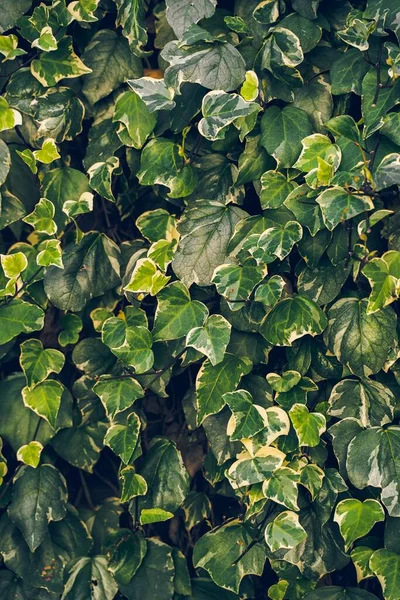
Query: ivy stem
(86, 491)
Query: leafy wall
(200, 262)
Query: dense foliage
(200, 263)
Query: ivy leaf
(117, 395)
(131, 17)
(62, 63)
(211, 339)
(162, 163)
(275, 188)
(202, 63)
(91, 268)
(9, 117)
(270, 293)
(37, 363)
(123, 439)
(111, 64)
(154, 93)
(155, 575)
(282, 132)
(82, 574)
(39, 496)
(232, 544)
(219, 111)
(166, 476)
(5, 165)
(275, 242)
(50, 254)
(338, 205)
(249, 470)
(146, 278)
(100, 178)
(388, 171)
(284, 531)
(45, 400)
(236, 282)
(356, 518)
(125, 553)
(359, 340)
(181, 13)
(41, 218)
(176, 313)
(309, 426)
(206, 229)
(385, 565)
(18, 317)
(132, 484)
(335, 592)
(368, 401)
(383, 275)
(291, 319)
(374, 108)
(382, 471)
(30, 453)
(281, 487)
(132, 345)
(247, 418)
(214, 381)
(132, 111)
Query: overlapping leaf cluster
(199, 283)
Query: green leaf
(229, 553)
(249, 469)
(11, 11)
(383, 275)
(154, 93)
(335, 592)
(347, 72)
(375, 108)
(9, 117)
(214, 381)
(5, 164)
(123, 439)
(386, 567)
(282, 132)
(338, 205)
(13, 264)
(211, 339)
(388, 171)
(62, 63)
(100, 178)
(360, 557)
(83, 10)
(219, 111)
(166, 476)
(291, 319)
(176, 313)
(125, 553)
(206, 229)
(162, 163)
(89, 578)
(202, 63)
(247, 418)
(132, 484)
(81, 446)
(373, 460)
(368, 401)
(309, 426)
(275, 188)
(39, 496)
(62, 185)
(345, 126)
(235, 282)
(274, 242)
(132, 111)
(18, 317)
(91, 268)
(111, 64)
(132, 345)
(182, 13)
(45, 399)
(281, 487)
(41, 219)
(117, 395)
(360, 341)
(30, 453)
(155, 576)
(132, 18)
(356, 518)
(284, 531)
